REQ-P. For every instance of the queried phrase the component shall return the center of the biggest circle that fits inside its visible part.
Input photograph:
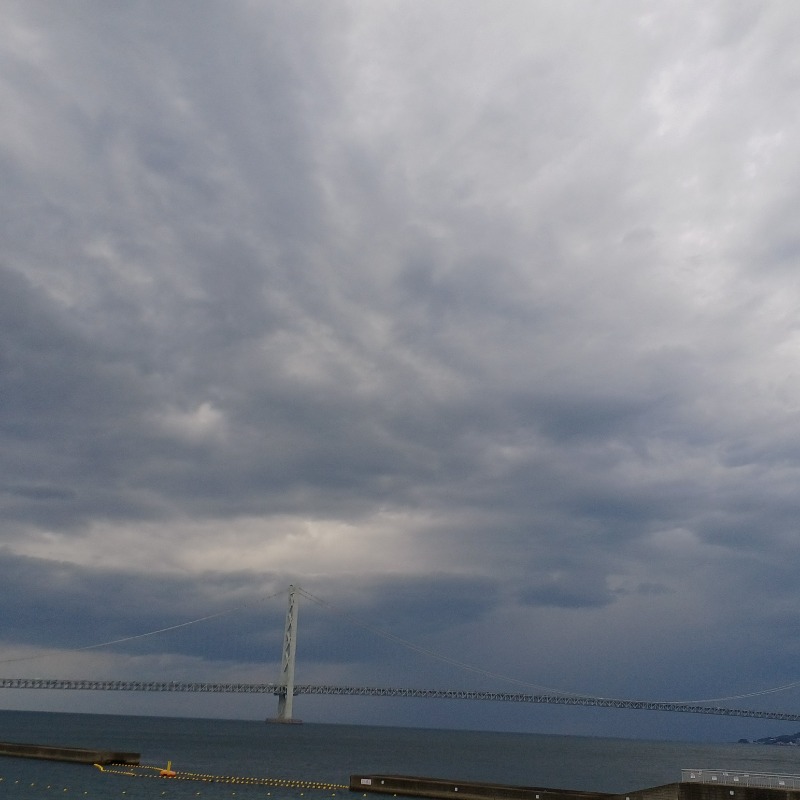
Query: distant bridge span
(369, 691)
(286, 688)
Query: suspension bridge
(285, 689)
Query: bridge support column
(286, 695)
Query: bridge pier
(286, 682)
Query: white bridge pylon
(286, 682)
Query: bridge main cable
(372, 691)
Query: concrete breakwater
(79, 755)
(440, 789)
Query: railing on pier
(763, 780)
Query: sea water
(329, 754)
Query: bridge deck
(372, 691)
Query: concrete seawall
(705, 791)
(441, 789)
(78, 755)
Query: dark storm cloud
(572, 590)
(495, 344)
(61, 606)
(65, 396)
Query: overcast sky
(479, 321)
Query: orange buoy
(168, 772)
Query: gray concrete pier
(79, 755)
(740, 786)
(439, 789)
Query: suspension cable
(98, 645)
(487, 673)
(431, 653)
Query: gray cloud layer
(479, 322)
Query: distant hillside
(788, 739)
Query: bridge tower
(286, 695)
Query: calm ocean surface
(331, 753)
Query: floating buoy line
(168, 773)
